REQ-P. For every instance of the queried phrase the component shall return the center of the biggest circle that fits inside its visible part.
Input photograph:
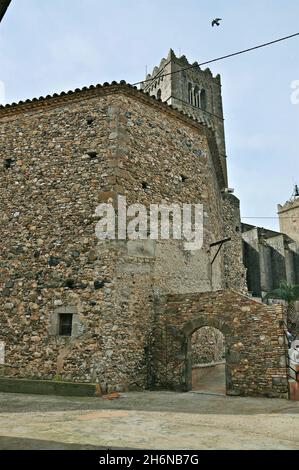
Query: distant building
(269, 256)
(289, 216)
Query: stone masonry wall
(176, 168)
(60, 158)
(51, 183)
(235, 272)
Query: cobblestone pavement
(149, 420)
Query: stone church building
(121, 313)
(271, 257)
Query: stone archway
(188, 330)
(254, 339)
(208, 361)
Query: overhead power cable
(218, 58)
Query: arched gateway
(254, 342)
(193, 326)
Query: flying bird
(216, 22)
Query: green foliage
(287, 292)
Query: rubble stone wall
(60, 158)
(235, 272)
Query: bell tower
(289, 216)
(190, 89)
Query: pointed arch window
(159, 94)
(203, 100)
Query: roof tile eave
(122, 86)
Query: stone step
(49, 387)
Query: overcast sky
(48, 46)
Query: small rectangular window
(65, 324)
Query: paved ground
(149, 420)
(209, 379)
